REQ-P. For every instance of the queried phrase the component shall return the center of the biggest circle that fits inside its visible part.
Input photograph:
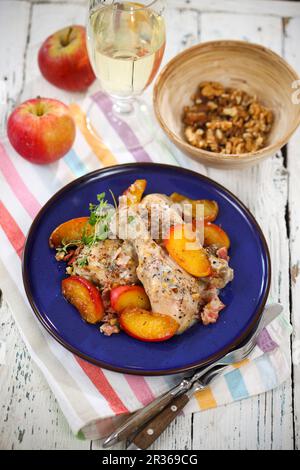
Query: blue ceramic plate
(245, 297)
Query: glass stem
(123, 106)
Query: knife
(152, 430)
(142, 416)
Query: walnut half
(226, 120)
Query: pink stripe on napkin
(11, 230)
(125, 132)
(140, 388)
(13, 178)
(103, 386)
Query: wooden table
(29, 415)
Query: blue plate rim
(113, 170)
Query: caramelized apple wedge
(211, 208)
(129, 296)
(183, 247)
(69, 231)
(85, 297)
(148, 326)
(215, 235)
(135, 192)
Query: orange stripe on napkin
(97, 377)
(205, 399)
(12, 230)
(241, 364)
(92, 137)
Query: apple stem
(40, 110)
(65, 42)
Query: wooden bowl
(250, 67)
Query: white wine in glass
(126, 43)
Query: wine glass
(126, 42)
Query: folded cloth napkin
(93, 400)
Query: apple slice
(129, 296)
(148, 326)
(183, 247)
(211, 208)
(69, 231)
(135, 192)
(215, 235)
(85, 297)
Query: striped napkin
(93, 400)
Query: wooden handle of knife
(157, 425)
(138, 420)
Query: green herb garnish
(114, 199)
(100, 217)
(67, 245)
(81, 262)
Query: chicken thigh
(171, 290)
(107, 263)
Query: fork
(145, 436)
(141, 417)
(154, 428)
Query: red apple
(41, 130)
(63, 59)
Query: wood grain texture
(260, 7)
(44, 21)
(182, 31)
(263, 189)
(13, 55)
(29, 415)
(292, 53)
(25, 395)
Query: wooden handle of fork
(157, 425)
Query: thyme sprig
(83, 261)
(65, 246)
(100, 217)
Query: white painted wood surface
(29, 415)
